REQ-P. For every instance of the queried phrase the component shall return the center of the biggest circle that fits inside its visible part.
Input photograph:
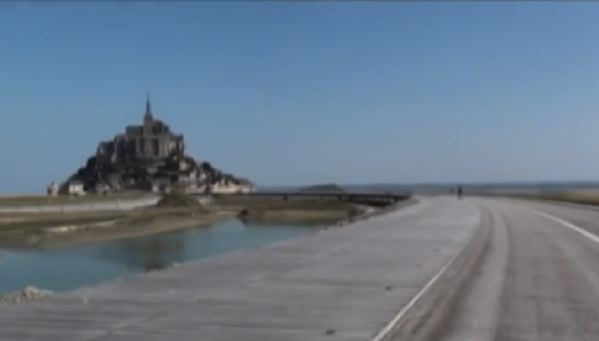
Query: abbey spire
(148, 114)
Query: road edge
(419, 318)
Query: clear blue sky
(298, 93)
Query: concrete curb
(423, 315)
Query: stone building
(151, 142)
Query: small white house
(230, 188)
(75, 187)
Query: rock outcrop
(29, 293)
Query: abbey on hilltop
(148, 157)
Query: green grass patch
(151, 215)
(587, 198)
(179, 199)
(37, 224)
(279, 203)
(34, 200)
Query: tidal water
(78, 266)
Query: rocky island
(148, 157)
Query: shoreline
(174, 212)
(151, 222)
(74, 235)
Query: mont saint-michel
(148, 157)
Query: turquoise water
(74, 267)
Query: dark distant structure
(327, 188)
(150, 157)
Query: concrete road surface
(538, 278)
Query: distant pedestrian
(460, 192)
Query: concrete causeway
(339, 284)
